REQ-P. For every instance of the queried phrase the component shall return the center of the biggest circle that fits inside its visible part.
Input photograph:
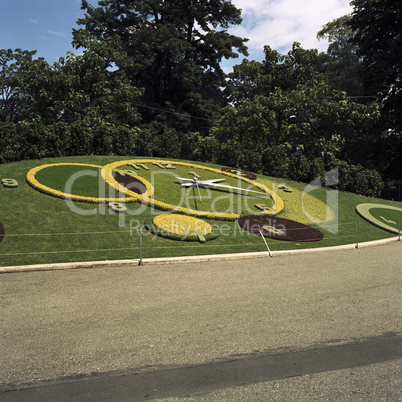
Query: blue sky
(46, 25)
(42, 25)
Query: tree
(284, 105)
(13, 65)
(76, 106)
(377, 25)
(341, 64)
(175, 48)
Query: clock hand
(198, 188)
(196, 182)
(193, 181)
(213, 183)
(231, 187)
(208, 182)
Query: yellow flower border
(31, 179)
(145, 198)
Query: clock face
(191, 189)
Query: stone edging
(201, 258)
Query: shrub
(358, 179)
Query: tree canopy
(149, 82)
(174, 50)
(377, 26)
(283, 105)
(341, 64)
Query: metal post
(140, 263)
(269, 251)
(399, 229)
(357, 240)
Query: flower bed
(240, 172)
(146, 198)
(390, 225)
(279, 228)
(31, 179)
(181, 227)
(130, 182)
(302, 206)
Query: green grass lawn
(388, 216)
(44, 229)
(56, 177)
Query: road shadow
(238, 371)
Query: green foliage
(78, 106)
(149, 83)
(341, 64)
(357, 179)
(285, 120)
(378, 25)
(172, 50)
(35, 140)
(13, 68)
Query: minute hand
(227, 186)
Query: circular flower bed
(107, 174)
(32, 180)
(387, 215)
(279, 228)
(181, 227)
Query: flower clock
(185, 193)
(194, 190)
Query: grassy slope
(34, 223)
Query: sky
(46, 25)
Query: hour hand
(235, 188)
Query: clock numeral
(143, 166)
(138, 166)
(164, 165)
(263, 207)
(117, 207)
(196, 176)
(238, 172)
(120, 172)
(273, 230)
(284, 188)
(201, 237)
(130, 173)
(134, 166)
(10, 183)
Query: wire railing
(334, 235)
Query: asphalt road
(307, 327)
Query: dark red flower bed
(279, 228)
(2, 232)
(240, 172)
(130, 183)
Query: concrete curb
(200, 258)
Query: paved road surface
(300, 328)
